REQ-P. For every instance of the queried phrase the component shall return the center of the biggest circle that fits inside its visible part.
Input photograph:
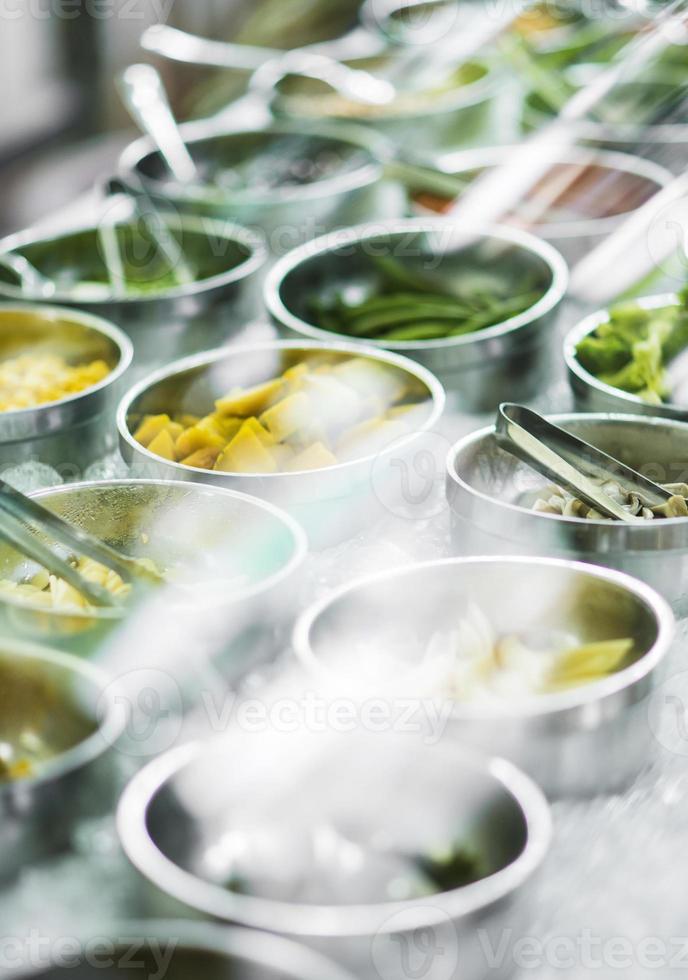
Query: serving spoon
(30, 279)
(573, 463)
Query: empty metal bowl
(179, 847)
(72, 432)
(593, 395)
(331, 503)
(179, 950)
(163, 319)
(491, 493)
(507, 361)
(601, 189)
(315, 178)
(583, 740)
(242, 552)
(456, 110)
(59, 719)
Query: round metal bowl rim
(559, 419)
(201, 130)
(466, 96)
(323, 920)
(109, 728)
(206, 358)
(540, 705)
(596, 319)
(552, 296)
(299, 537)
(93, 322)
(259, 948)
(199, 224)
(459, 161)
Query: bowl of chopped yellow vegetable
(59, 719)
(546, 662)
(175, 284)
(60, 372)
(323, 430)
(213, 548)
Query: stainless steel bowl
(287, 216)
(331, 503)
(179, 950)
(507, 361)
(594, 395)
(632, 178)
(71, 433)
(171, 841)
(485, 485)
(581, 741)
(66, 710)
(246, 541)
(456, 116)
(166, 321)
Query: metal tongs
(20, 519)
(571, 462)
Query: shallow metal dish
(331, 503)
(458, 116)
(582, 741)
(71, 433)
(162, 323)
(507, 361)
(484, 486)
(179, 950)
(573, 236)
(71, 707)
(170, 840)
(594, 395)
(166, 521)
(287, 216)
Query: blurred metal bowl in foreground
(509, 360)
(386, 633)
(71, 433)
(184, 850)
(238, 554)
(58, 725)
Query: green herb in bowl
(411, 305)
(634, 348)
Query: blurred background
(63, 124)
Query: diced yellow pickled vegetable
(372, 378)
(186, 420)
(163, 445)
(369, 437)
(288, 416)
(151, 426)
(246, 454)
(211, 432)
(293, 375)
(590, 662)
(282, 454)
(315, 457)
(265, 437)
(335, 405)
(203, 459)
(251, 401)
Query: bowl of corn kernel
(60, 372)
(304, 425)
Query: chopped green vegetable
(632, 349)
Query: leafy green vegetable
(633, 348)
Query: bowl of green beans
(475, 306)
